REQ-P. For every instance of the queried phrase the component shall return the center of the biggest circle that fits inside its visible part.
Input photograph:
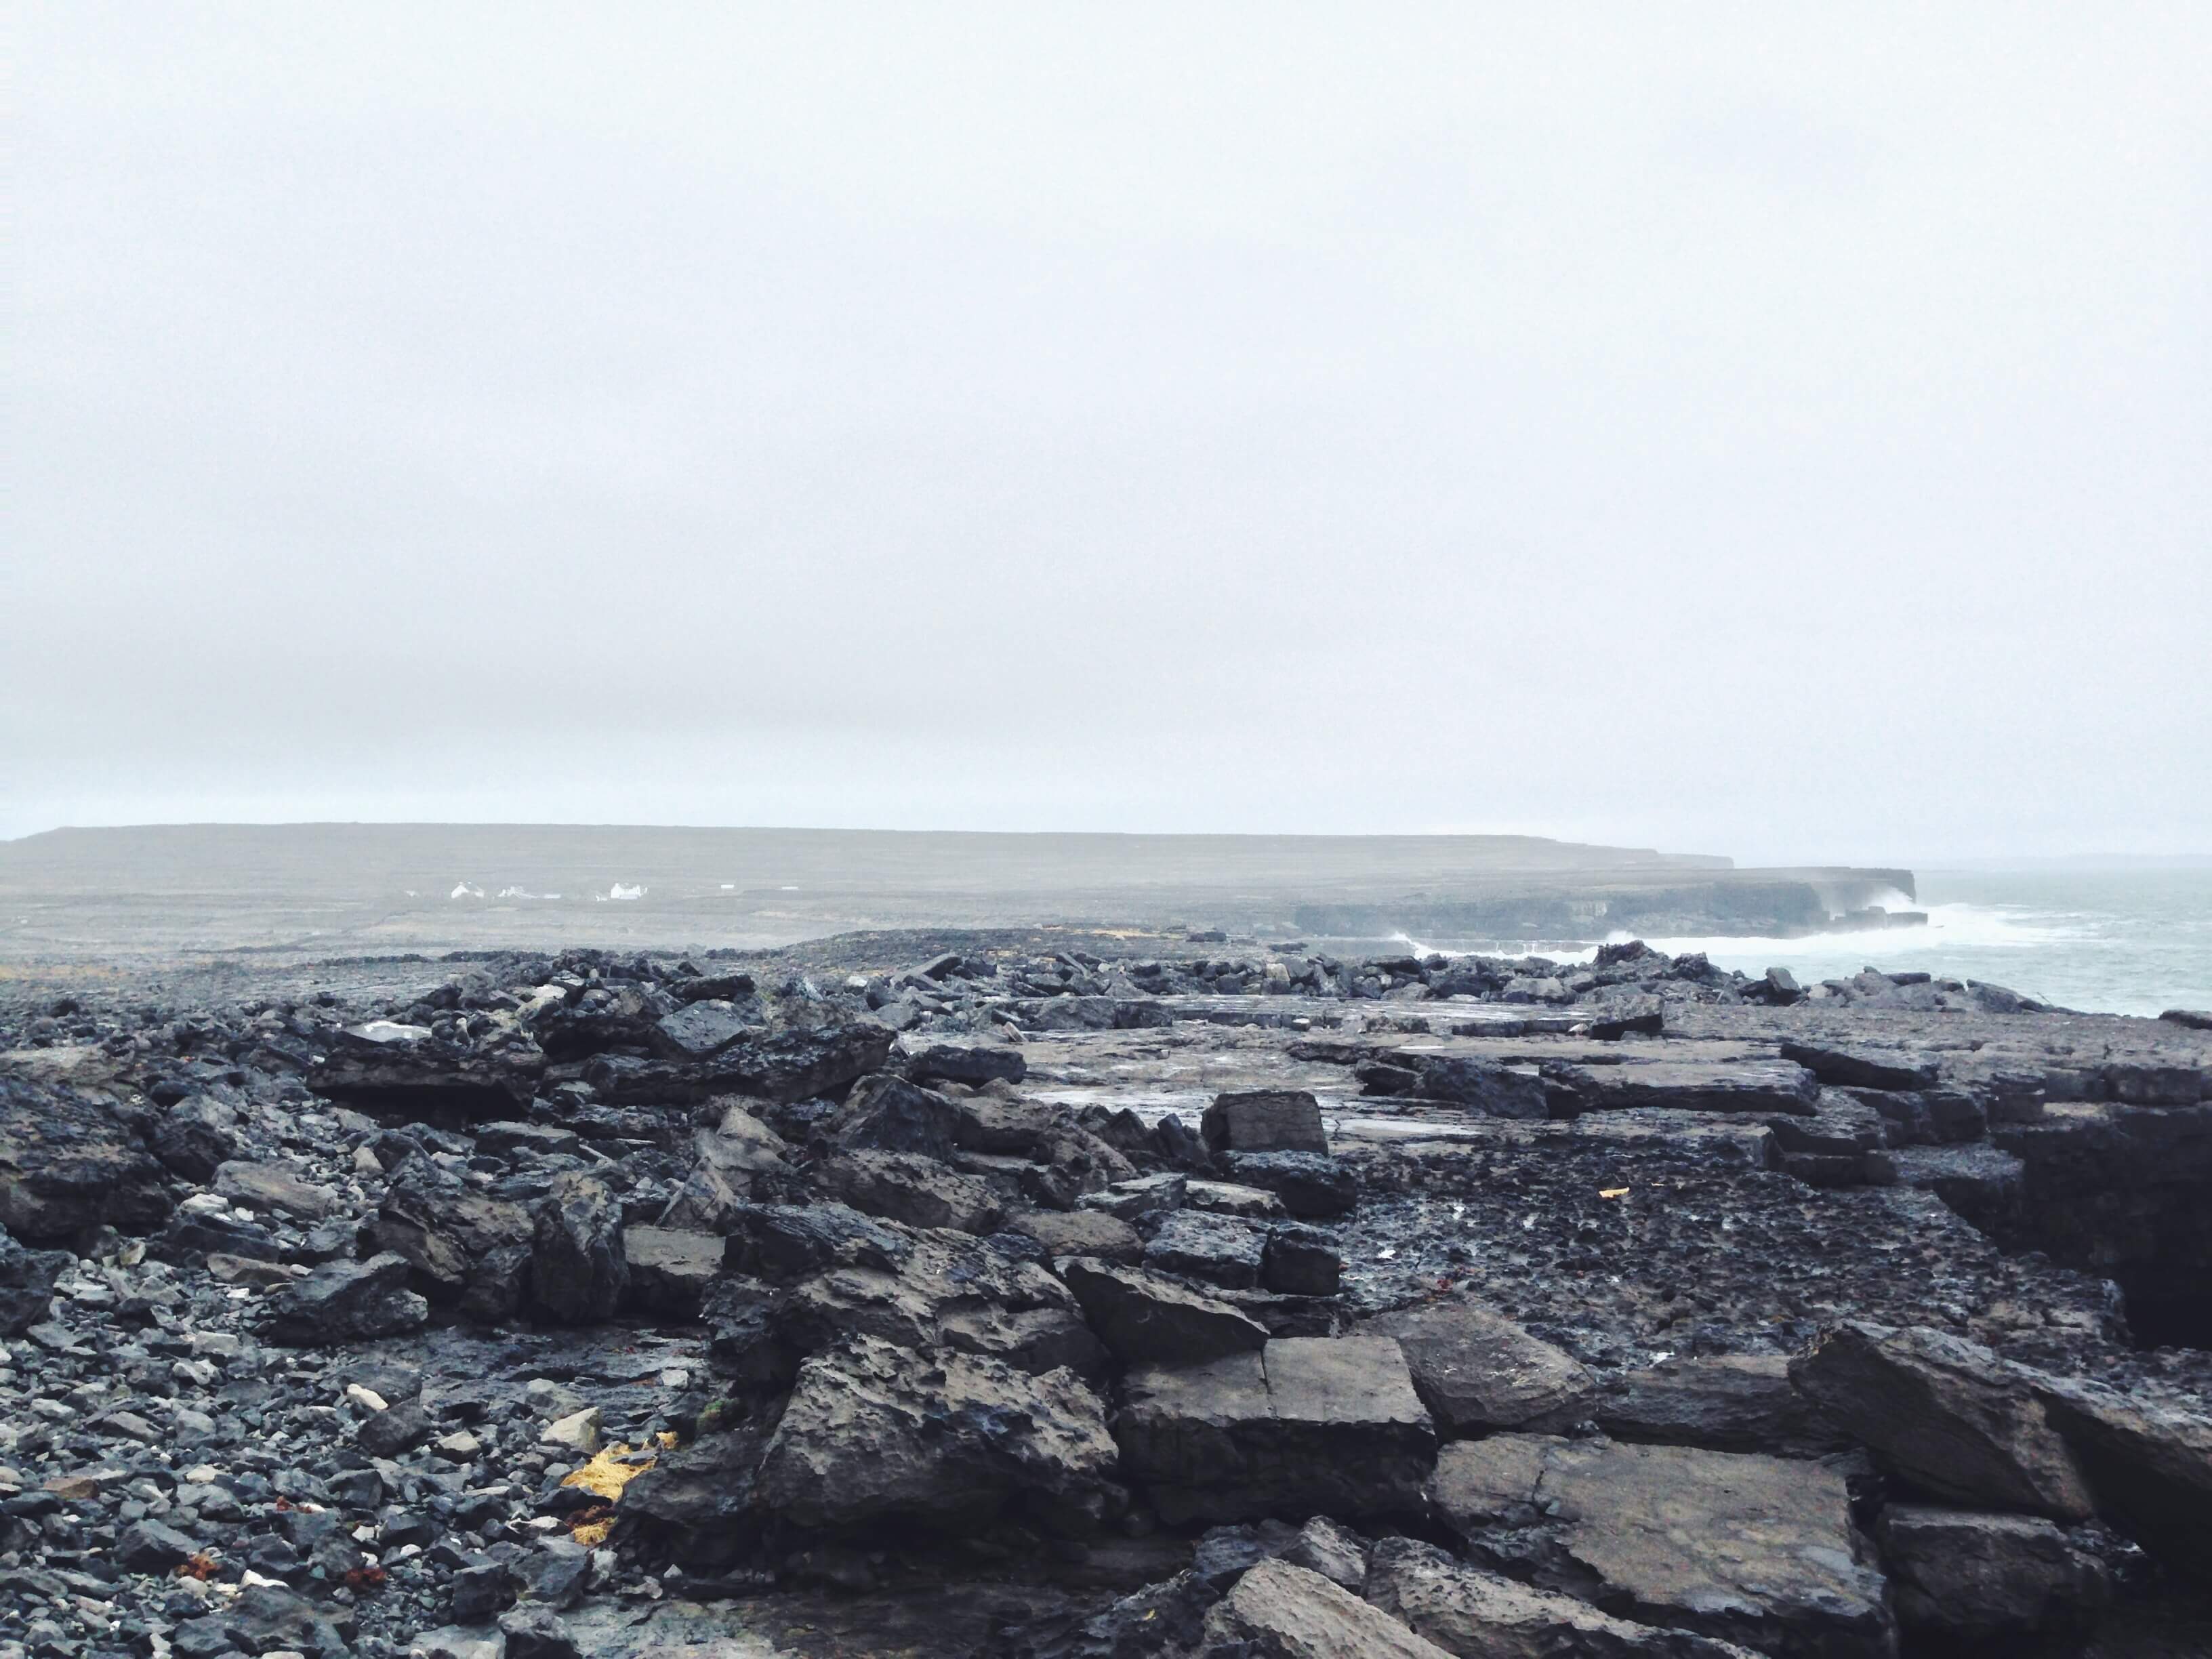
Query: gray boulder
(578, 1269)
(873, 1432)
(1219, 1249)
(1478, 1614)
(1970, 1577)
(71, 1162)
(1759, 1551)
(26, 1283)
(1313, 1186)
(2148, 1460)
(1264, 1121)
(1279, 1610)
(908, 1188)
(1946, 1415)
(1476, 1370)
(947, 1063)
(344, 1301)
(1727, 1402)
(1305, 1425)
(1146, 1318)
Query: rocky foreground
(1230, 1302)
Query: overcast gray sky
(1773, 430)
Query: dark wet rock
(950, 1290)
(1217, 1249)
(345, 1301)
(466, 1246)
(1946, 1415)
(71, 1162)
(1831, 1147)
(537, 1632)
(1228, 1198)
(525, 1140)
(782, 1064)
(1755, 1550)
(1471, 1612)
(399, 1428)
(781, 1243)
(912, 1188)
(1336, 1553)
(949, 1063)
(1478, 1084)
(1475, 1370)
(267, 1618)
(1264, 1121)
(26, 1283)
(1147, 1318)
(481, 1590)
(2118, 1190)
(279, 1187)
(1964, 1576)
(872, 1430)
(1301, 1260)
(2194, 1020)
(1619, 1017)
(194, 1137)
(150, 1546)
(1862, 1066)
(400, 1072)
(1081, 1232)
(1692, 1085)
(669, 1269)
(1727, 1402)
(887, 1113)
(703, 1029)
(578, 1271)
(1313, 1186)
(736, 1158)
(1304, 1426)
(1279, 1610)
(2148, 1460)
(1161, 1619)
(1141, 1197)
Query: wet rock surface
(971, 1299)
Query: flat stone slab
(1305, 1426)
(1476, 1370)
(1687, 1085)
(1745, 1548)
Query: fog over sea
(2133, 941)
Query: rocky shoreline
(1093, 1293)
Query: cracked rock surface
(1080, 1294)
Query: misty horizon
(1774, 434)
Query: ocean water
(2105, 941)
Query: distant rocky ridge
(310, 891)
(950, 1294)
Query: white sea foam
(462, 889)
(620, 892)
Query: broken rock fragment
(1476, 1370)
(1969, 1576)
(872, 1430)
(1305, 1426)
(1279, 1610)
(1147, 1318)
(1264, 1121)
(1469, 1611)
(1947, 1415)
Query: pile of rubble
(1258, 1304)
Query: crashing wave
(462, 889)
(620, 890)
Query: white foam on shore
(619, 891)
